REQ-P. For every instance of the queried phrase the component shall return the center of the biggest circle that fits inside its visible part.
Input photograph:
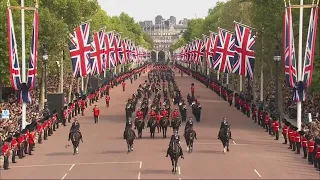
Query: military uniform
(175, 138)
(183, 111)
(6, 152)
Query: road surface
(103, 155)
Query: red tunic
(311, 146)
(107, 98)
(276, 126)
(192, 90)
(285, 130)
(175, 114)
(31, 138)
(297, 137)
(14, 144)
(21, 140)
(266, 120)
(164, 113)
(158, 118)
(290, 133)
(96, 111)
(139, 115)
(304, 142)
(39, 128)
(152, 113)
(123, 84)
(318, 153)
(6, 149)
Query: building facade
(164, 33)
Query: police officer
(75, 127)
(175, 138)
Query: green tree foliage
(57, 18)
(194, 30)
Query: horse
(139, 125)
(189, 136)
(76, 137)
(130, 136)
(174, 153)
(164, 123)
(225, 136)
(152, 124)
(176, 123)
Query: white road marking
(93, 163)
(71, 167)
(179, 170)
(140, 165)
(257, 172)
(64, 176)
(139, 175)
(179, 178)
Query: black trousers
(305, 153)
(6, 162)
(298, 146)
(96, 118)
(277, 135)
(310, 157)
(285, 139)
(14, 153)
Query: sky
(142, 10)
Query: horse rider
(75, 127)
(164, 112)
(139, 114)
(189, 124)
(175, 114)
(175, 138)
(152, 113)
(224, 123)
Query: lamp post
(45, 62)
(277, 59)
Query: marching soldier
(276, 129)
(311, 147)
(14, 147)
(65, 115)
(304, 142)
(128, 109)
(96, 113)
(6, 152)
(285, 131)
(20, 145)
(230, 97)
(198, 111)
(254, 113)
(40, 131)
(107, 100)
(192, 90)
(297, 140)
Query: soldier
(198, 109)
(285, 131)
(192, 90)
(248, 108)
(20, 145)
(230, 97)
(31, 137)
(96, 113)
(14, 147)
(107, 100)
(266, 122)
(276, 129)
(254, 113)
(128, 109)
(297, 140)
(304, 143)
(6, 152)
(123, 86)
(65, 115)
(40, 131)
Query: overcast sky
(148, 9)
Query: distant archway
(161, 56)
(153, 56)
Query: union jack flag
(110, 54)
(32, 69)
(310, 46)
(288, 50)
(80, 47)
(13, 53)
(118, 54)
(214, 41)
(199, 51)
(97, 54)
(224, 52)
(125, 50)
(244, 56)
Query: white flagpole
(218, 75)
(299, 73)
(24, 79)
(82, 84)
(227, 78)
(261, 83)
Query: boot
(69, 136)
(167, 152)
(181, 152)
(124, 135)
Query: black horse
(164, 123)
(189, 136)
(75, 139)
(174, 153)
(225, 136)
(130, 135)
(152, 124)
(139, 124)
(176, 123)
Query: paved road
(103, 154)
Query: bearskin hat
(317, 140)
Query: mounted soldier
(175, 138)
(75, 127)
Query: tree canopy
(267, 19)
(58, 18)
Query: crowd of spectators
(33, 112)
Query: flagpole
(23, 46)
(82, 85)
(299, 73)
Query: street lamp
(45, 62)
(277, 59)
